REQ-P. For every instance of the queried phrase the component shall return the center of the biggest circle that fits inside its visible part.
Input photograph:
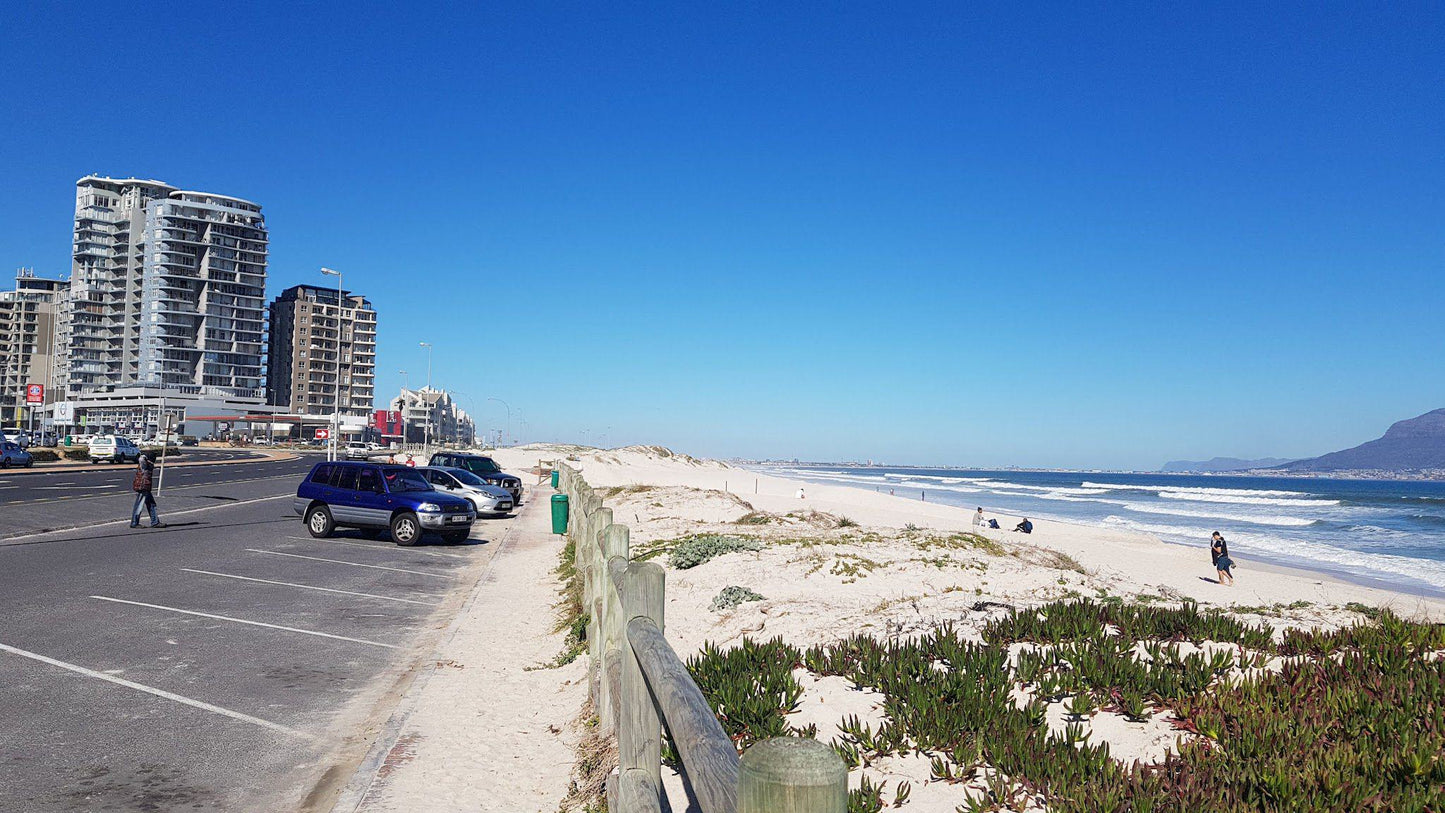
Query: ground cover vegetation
(1351, 719)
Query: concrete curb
(353, 796)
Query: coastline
(1361, 575)
(1120, 560)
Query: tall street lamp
(509, 415)
(426, 436)
(336, 401)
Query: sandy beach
(838, 561)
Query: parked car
(356, 450)
(114, 449)
(483, 467)
(12, 455)
(484, 497)
(379, 498)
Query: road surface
(225, 662)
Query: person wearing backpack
(142, 485)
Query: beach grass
(1347, 719)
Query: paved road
(31, 501)
(227, 662)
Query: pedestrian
(1219, 552)
(142, 484)
(801, 495)
(409, 462)
(978, 520)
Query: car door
(372, 501)
(344, 508)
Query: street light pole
(426, 436)
(336, 400)
(509, 415)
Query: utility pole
(426, 436)
(336, 399)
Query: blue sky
(1004, 234)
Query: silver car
(486, 498)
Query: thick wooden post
(639, 735)
(792, 775)
(614, 548)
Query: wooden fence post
(792, 775)
(615, 540)
(601, 518)
(639, 733)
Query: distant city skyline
(1027, 236)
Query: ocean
(1387, 533)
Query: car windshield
(467, 477)
(481, 465)
(400, 482)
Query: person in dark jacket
(1219, 552)
(1025, 526)
(142, 485)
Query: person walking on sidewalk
(142, 485)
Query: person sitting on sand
(1219, 552)
(978, 519)
(1025, 526)
(801, 495)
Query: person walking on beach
(1219, 552)
(141, 485)
(978, 520)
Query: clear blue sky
(1101, 236)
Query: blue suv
(377, 499)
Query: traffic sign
(34, 393)
(323, 434)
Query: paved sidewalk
(480, 732)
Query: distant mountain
(1411, 445)
(1219, 464)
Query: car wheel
(4, 462)
(29, 462)
(319, 522)
(95, 461)
(456, 537)
(405, 529)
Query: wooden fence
(640, 687)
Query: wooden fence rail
(640, 688)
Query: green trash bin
(559, 513)
(556, 475)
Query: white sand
(822, 582)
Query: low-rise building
(433, 413)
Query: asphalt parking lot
(225, 662)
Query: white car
(113, 449)
(485, 497)
(357, 451)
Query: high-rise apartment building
(311, 334)
(167, 290)
(27, 342)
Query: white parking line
(310, 587)
(393, 548)
(244, 621)
(140, 687)
(353, 564)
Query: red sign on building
(387, 422)
(34, 393)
